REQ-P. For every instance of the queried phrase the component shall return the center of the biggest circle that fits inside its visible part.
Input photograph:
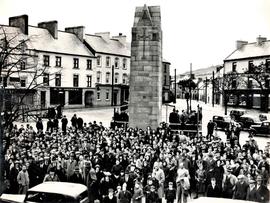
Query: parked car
(223, 122)
(235, 114)
(247, 120)
(51, 192)
(262, 129)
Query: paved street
(105, 115)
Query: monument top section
(147, 16)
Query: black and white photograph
(134, 101)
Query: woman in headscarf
(158, 174)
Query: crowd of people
(124, 165)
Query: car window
(46, 197)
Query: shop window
(75, 97)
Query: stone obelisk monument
(146, 68)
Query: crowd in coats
(124, 165)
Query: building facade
(112, 67)
(65, 66)
(248, 93)
(77, 69)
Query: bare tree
(17, 61)
(261, 75)
(226, 84)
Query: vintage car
(247, 120)
(223, 122)
(218, 200)
(235, 114)
(51, 192)
(262, 129)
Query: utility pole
(174, 86)
(206, 84)
(190, 87)
(213, 89)
(112, 102)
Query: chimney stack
(260, 40)
(78, 31)
(104, 35)
(240, 44)
(20, 22)
(121, 38)
(51, 26)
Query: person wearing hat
(124, 195)
(23, 180)
(138, 193)
(229, 184)
(241, 188)
(252, 192)
(105, 184)
(213, 190)
(170, 193)
(70, 166)
(152, 196)
(110, 198)
(262, 191)
(76, 177)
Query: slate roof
(250, 50)
(111, 46)
(42, 40)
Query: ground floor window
(57, 97)
(75, 97)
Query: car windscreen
(33, 196)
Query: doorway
(89, 98)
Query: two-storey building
(245, 91)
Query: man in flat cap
(262, 191)
(241, 188)
(229, 184)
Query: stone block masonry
(146, 68)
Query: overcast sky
(199, 31)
